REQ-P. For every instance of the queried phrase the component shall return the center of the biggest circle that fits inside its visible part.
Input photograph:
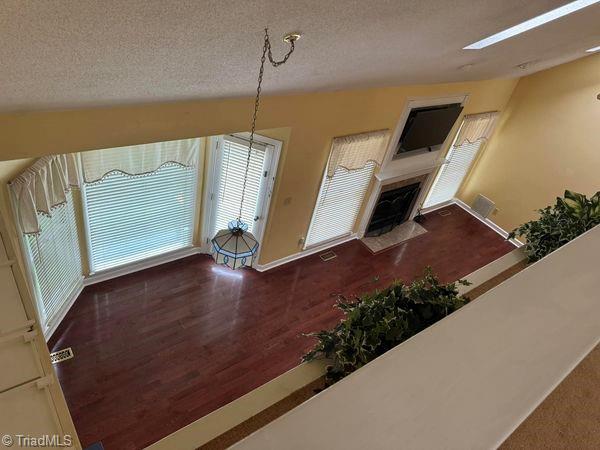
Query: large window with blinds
(338, 204)
(131, 218)
(55, 260)
(450, 176)
(230, 165)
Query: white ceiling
(77, 53)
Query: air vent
(61, 355)
(483, 206)
(327, 256)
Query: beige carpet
(569, 418)
(248, 427)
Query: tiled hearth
(399, 234)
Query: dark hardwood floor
(158, 349)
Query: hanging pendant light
(235, 246)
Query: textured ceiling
(62, 54)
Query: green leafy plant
(376, 322)
(571, 216)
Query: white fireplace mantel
(397, 168)
(409, 167)
(401, 169)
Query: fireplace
(393, 207)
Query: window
(474, 130)
(132, 218)
(229, 178)
(56, 261)
(338, 204)
(452, 173)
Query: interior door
(229, 155)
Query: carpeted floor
(569, 418)
(248, 427)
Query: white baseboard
(327, 245)
(140, 265)
(436, 207)
(178, 254)
(303, 253)
(501, 231)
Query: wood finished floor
(158, 349)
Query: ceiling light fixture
(235, 246)
(531, 23)
(593, 49)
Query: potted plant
(558, 224)
(376, 322)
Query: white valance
(42, 187)
(138, 159)
(354, 151)
(476, 127)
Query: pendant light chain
(266, 52)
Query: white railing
(469, 380)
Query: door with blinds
(229, 157)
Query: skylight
(531, 23)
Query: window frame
(143, 263)
(447, 161)
(341, 237)
(49, 324)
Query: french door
(229, 155)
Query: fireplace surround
(396, 172)
(394, 205)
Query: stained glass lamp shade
(235, 246)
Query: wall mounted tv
(427, 127)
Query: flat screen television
(427, 127)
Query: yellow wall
(314, 119)
(548, 140)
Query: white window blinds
(56, 260)
(230, 178)
(136, 217)
(338, 204)
(452, 173)
(474, 131)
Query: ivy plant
(558, 224)
(376, 322)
